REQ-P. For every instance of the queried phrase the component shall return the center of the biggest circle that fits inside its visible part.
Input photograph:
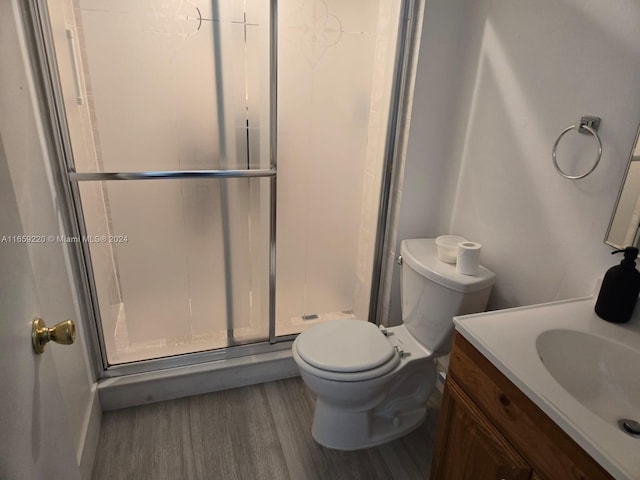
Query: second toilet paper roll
(468, 258)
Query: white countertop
(508, 339)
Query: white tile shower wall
(521, 72)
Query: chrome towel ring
(587, 125)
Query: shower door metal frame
(407, 24)
(44, 63)
(66, 181)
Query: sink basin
(601, 374)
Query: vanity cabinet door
(468, 446)
(550, 451)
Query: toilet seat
(346, 350)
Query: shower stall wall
(170, 112)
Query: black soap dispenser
(620, 288)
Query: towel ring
(586, 125)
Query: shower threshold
(124, 391)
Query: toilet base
(343, 430)
(400, 409)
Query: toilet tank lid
(421, 255)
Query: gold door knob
(63, 332)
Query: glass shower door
(336, 67)
(168, 108)
(172, 276)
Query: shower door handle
(164, 174)
(77, 75)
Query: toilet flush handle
(399, 260)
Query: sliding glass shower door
(182, 266)
(169, 112)
(337, 62)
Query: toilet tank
(433, 293)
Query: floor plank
(233, 433)
(256, 432)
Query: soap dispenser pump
(620, 288)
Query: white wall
(497, 82)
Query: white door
(35, 439)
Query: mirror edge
(617, 202)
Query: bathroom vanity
(536, 393)
(489, 429)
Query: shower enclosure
(225, 161)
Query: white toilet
(372, 384)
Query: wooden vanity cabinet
(473, 447)
(489, 430)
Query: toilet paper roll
(468, 258)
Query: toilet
(371, 383)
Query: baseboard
(91, 433)
(168, 384)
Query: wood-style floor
(250, 433)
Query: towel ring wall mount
(587, 125)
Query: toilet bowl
(383, 399)
(371, 383)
